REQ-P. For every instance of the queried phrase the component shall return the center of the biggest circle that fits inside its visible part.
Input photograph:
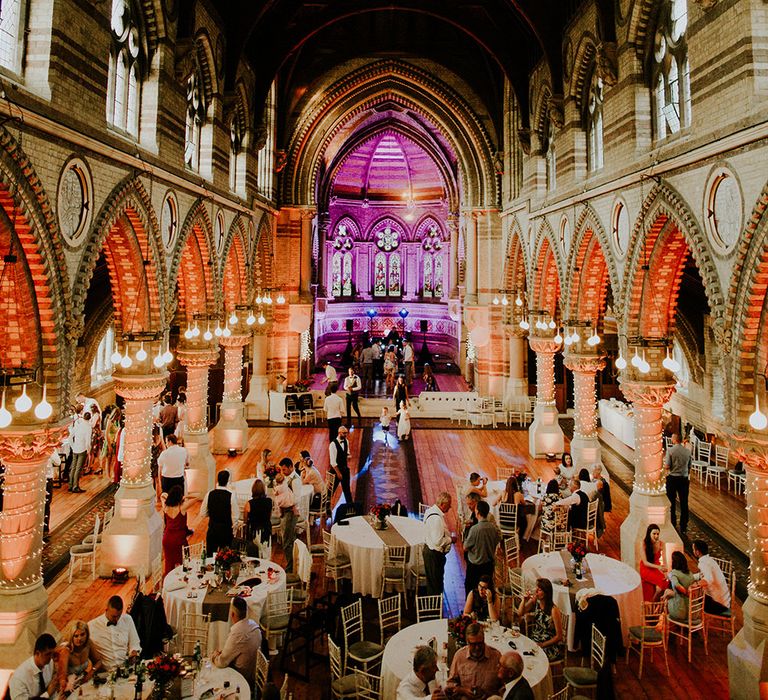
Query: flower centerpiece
(302, 384)
(380, 513)
(162, 670)
(578, 552)
(457, 634)
(226, 558)
(270, 472)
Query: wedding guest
(338, 452)
(175, 506)
(420, 681)
(680, 580)
(53, 461)
(477, 484)
(403, 423)
(158, 445)
(113, 636)
(221, 509)
(242, 643)
(258, 514)
(181, 415)
(172, 462)
(475, 666)
(547, 627)
(169, 416)
(652, 571)
(511, 674)
(311, 476)
(262, 464)
(480, 547)
(80, 438)
(567, 468)
(285, 500)
(437, 543)
(74, 654)
(717, 595)
(482, 601)
(35, 677)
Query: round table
(398, 656)
(214, 679)
(365, 548)
(611, 576)
(532, 495)
(178, 598)
(242, 490)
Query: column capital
(201, 356)
(512, 330)
(235, 341)
(648, 394)
(542, 344)
(30, 442)
(307, 214)
(586, 364)
(139, 387)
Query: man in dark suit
(511, 671)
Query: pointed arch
(664, 235)
(234, 273)
(541, 109)
(548, 271)
(516, 265)
(394, 221)
(353, 229)
(261, 264)
(590, 269)
(582, 68)
(126, 230)
(639, 25)
(744, 329)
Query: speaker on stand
(425, 357)
(347, 358)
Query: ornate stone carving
(197, 357)
(186, 59)
(524, 139)
(706, 4)
(543, 345)
(139, 387)
(586, 364)
(555, 110)
(647, 394)
(607, 62)
(27, 443)
(259, 137)
(235, 341)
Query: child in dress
(404, 422)
(385, 419)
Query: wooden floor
(443, 456)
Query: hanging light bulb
(670, 363)
(568, 340)
(621, 363)
(158, 361)
(5, 414)
(43, 410)
(504, 300)
(233, 319)
(258, 298)
(115, 357)
(168, 355)
(644, 367)
(575, 337)
(524, 324)
(518, 301)
(268, 299)
(636, 359)
(757, 420)
(141, 355)
(593, 339)
(217, 332)
(551, 324)
(496, 300)
(226, 332)
(251, 319)
(126, 362)
(558, 338)
(208, 335)
(261, 319)
(280, 298)
(195, 331)
(187, 334)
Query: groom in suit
(511, 671)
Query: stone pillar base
(257, 401)
(545, 434)
(748, 653)
(23, 618)
(516, 394)
(645, 509)
(585, 451)
(231, 432)
(133, 538)
(202, 465)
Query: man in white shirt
(437, 543)
(333, 406)
(35, 678)
(113, 636)
(172, 461)
(80, 438)
(717, 595)
(242, 643)
(366, 363)
(420, 682)
(408, 362)
(352, 388)
(286, 495)
(221, 508)
(331, 378)
(578, 502)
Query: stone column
(24, 450)
(323, 222)
(231, 432)
(585, 447)
(471, 260)
(516, 393)
(748, 652)
(258, 389)
(453, 263)
(133, 537)
(305, 254)
(648, 502)
(545, 436)
(198, 358)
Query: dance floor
(439, 455)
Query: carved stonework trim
(706, 4)
(26, 443)
(585, 364)
(608, 63)
(555, 111)
(545, 346)
(197, 357)
(141, 387)
(235, 341)
(647, 394)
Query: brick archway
(234, 273)
(664, 236)
(516, 265)
(546, 295)
(127, 232)
(261, 262)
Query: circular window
(219, 232)
(620, 228)
(169, 222)
(724, 210)
(74, 201)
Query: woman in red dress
(652, 572)
(175, 507)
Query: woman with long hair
(175, 506)
(482, 601)
(652, 570)
(158, 445)
(390, 367)
(547, 627)
(400, 393)
(73, 656)
(258, 515)
(680, 579)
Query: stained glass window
(438, 275)
(336, 275)
(346, 277)
(394, 274)
(427, 287)
(380, 275)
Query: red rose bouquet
(457, 628)
(226, 557)
(381, 510)
(163, 668)
(577, 550)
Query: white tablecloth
(611, 576)
(617, 418)
(213, 678)
(365, 549)
(242, 490)
(176, 602)
(398, 656)
(496, 488)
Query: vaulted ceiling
(478, 40)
